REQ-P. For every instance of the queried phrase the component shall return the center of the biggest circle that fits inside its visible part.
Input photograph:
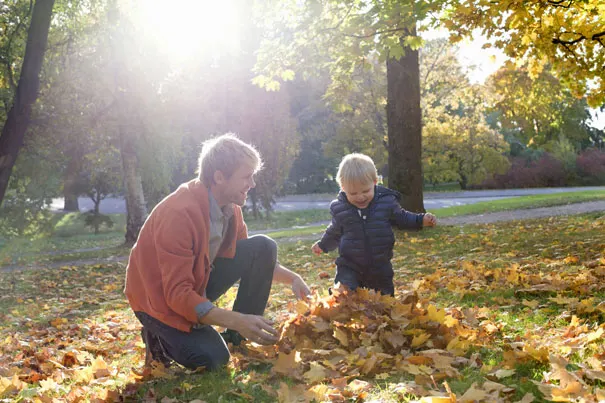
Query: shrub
(546, 171)
(591, 166)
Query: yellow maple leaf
(450, 321)
(436, 315)
(369, 364)
(9, 385)
(301, 307)
(316, 373)
(458, 346)
(539, 354)
(341, 336)
(473, 394)
(596, 335)
(286, 362)
(84, 375)
(420, 339)
(99, 368)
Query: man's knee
(266, 247)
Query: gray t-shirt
(219, 224)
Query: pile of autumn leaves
(363, 334)
(332, 341)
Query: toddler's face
(359, 195)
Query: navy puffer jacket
(365, 237)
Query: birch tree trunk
(136, 209)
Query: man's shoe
(233, 337)
(154, 351)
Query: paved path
(432, 200)
(523, 214)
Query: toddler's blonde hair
(356, 169)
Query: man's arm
(253, 327)
(288, 277)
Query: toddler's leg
(348, 277)
(380, 283)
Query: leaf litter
(67, 334)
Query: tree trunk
(71, 180)
(19, 115)
(96, 199)
(405, 129)
(136, 209)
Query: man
(192, 248)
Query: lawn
(509, 312)
(521, 202)
(71, 240)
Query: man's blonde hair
(356, 169)
(226, 153)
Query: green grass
(70, 224)
(457, 267)
(521, 202)
(71, 240)
(287, 219)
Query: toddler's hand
(429, 220)
(316, 249)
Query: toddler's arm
(404, 219)
(330, 239)
(429, 220)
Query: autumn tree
(568, 35)
(537, 112)
(459, 144)
(342, 37)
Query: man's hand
(300, 288)
(316, 249)
(429, 220)
(257, 329)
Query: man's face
(235, 188)
(359, 195)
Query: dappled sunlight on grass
(507, 310)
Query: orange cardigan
(169, 267)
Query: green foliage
(312, 170)
(33, 184)
(95, 220)
(565, 152)
(458, 143)
(536, 111)
(359, 34)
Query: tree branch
(594, 37)
(559, 3)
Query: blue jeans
(382, 282)
(253, 265)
